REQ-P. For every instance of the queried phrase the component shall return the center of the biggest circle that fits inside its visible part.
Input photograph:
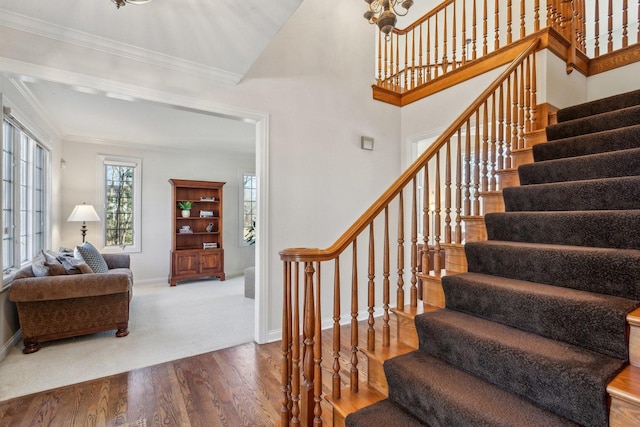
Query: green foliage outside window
(249, 191)
(119, 205)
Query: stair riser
(601, 142)
(521, 157)
(474, 229)
(623, 413)
(606, 194)
(613, 229)
(492, 202)
(607, 271)
(456, 261)
(376, 377)
(432, 292)
(596, 166)
(508, 178)
(606, 121)
(407, 332)
(596, 322)
(530, 139)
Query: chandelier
(124, 2)
(384, 13)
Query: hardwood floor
(237, 386)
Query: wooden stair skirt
(624, 389)
(376, 387)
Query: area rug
(166, 323)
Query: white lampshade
(83, 212)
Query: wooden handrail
(314, 254)
(424, 18)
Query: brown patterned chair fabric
(55, 307)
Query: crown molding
(68, 35)
(134, 145)
(33, 102)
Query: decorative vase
(186, 213)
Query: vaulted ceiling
(219, 39)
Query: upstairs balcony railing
(461, 31)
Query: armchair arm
(117, 260)
(67, 286)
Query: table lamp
(83, 213)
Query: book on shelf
(207, 245)
(206, 214)
(207, 199)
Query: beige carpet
(166, 323)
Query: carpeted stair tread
(441, 395)
(597, 194)
(383, 413)
(568, 380)
(608, 271)
(599, 142)
(605, 121)
(593, 321)
(599, 106)
(604, 228)
(593, 166)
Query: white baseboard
(6, 348)
(327, 323)
(229, 274)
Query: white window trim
(136, 162)
(242, 173)
(26, 126)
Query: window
(7, 196)
(120, 183)
(249, 204)
(25, 166)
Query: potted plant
(185, 206)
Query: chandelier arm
(393, 4)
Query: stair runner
(533, 333)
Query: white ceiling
(220, 39)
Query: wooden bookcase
(189, 258)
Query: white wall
(309, 81)
(80, 184)
(620, 80)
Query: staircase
(537, 328)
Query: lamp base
(83, 230)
